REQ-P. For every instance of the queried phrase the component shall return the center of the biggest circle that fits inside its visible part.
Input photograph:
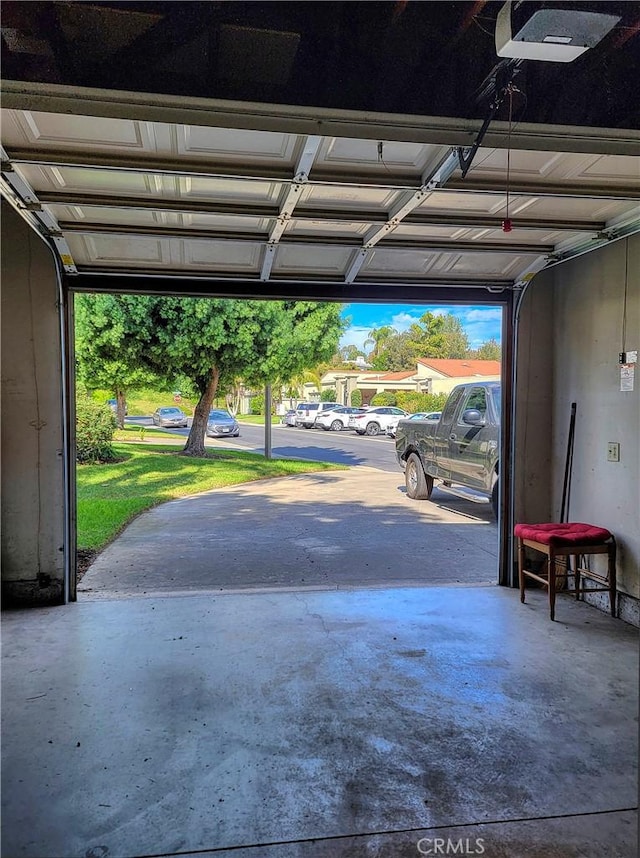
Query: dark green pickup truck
(461, 449)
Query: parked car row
(330, 416)
(333, 417)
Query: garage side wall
(534, 404)
(580, 305)
(32, 463)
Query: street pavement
(345, 448)
(341, 529)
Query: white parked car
(420, 415)
(306, 412)
(373, 421)
(338, 418)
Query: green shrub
(95, 425)
(356, 398)
(257, 404)
(384, 398)
(328, 395)
(413, 401)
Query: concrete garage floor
(337, 529)
(307, 724)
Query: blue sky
(480, 323)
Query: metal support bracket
(17, 191)
(301, 176)
(436, 178)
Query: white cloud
(403, 321)
(481, 331)
(355, 336)
(491, 314)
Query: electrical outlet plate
(613, 451)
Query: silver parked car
(169, 417)
(221, 423)
(338, 418)
(420, 415)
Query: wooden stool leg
(576, 579)
(521, 568)
(551, 583)
(612, 577)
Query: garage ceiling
(418, 58)
(238, 143)
(129, 195)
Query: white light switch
(613, 451)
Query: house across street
(431, 375)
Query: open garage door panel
(131, 196)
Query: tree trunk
(195, 441)
(120, 408)
(233, 398)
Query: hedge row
(410, 400)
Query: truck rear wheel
(419, 485)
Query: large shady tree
(214, 341)
(108, 349)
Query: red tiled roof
(396, 376)
(380, 375)
(462, 368)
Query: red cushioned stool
(560, 542)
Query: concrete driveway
(341, 529)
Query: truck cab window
(477, 399)
(450, 407)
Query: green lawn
(142, 403)
(258, 419)
(109, 496)
(149, 434)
